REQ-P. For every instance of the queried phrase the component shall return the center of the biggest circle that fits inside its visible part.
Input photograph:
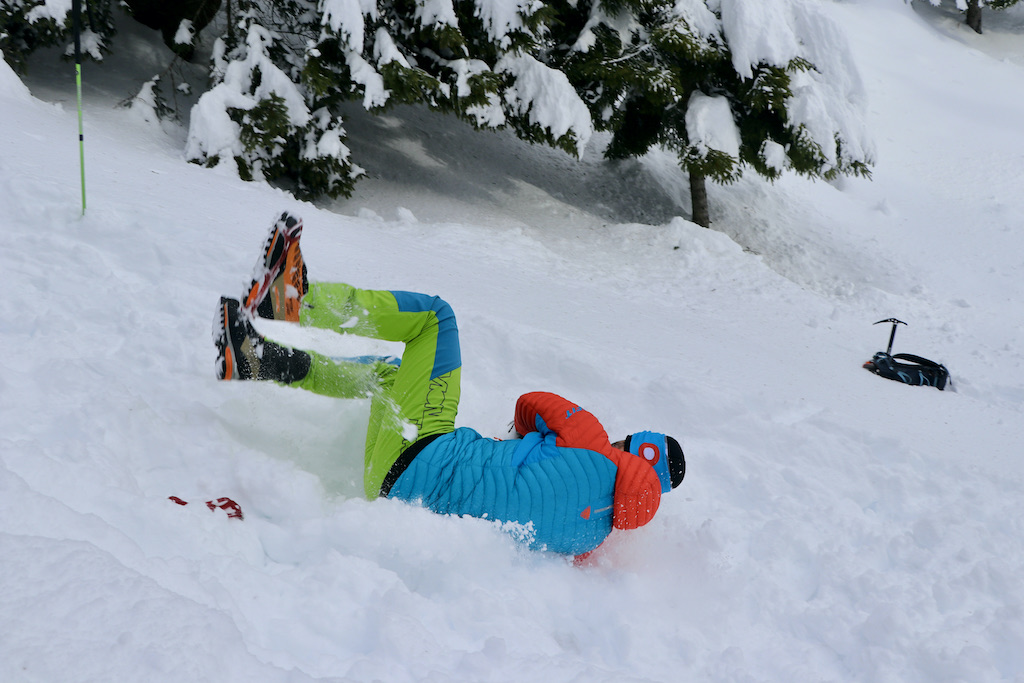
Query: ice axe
(892, 336)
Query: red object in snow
(233, 509)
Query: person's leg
(421, 398)
(345, 378)
(404, 406)
(246, 354)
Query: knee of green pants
(343, 308)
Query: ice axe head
(892, 336)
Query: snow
(345, 17)
(709, 125)
(11, 88)
(436, 13)
(828, 102)
(144, 104)
(213, 133)
(761, 32)
(57, 10)
(623, 23)
(185, 33)
(547, 97)
(697, 15)
(385, 51)
(488, 115)
(774, 156)
(833, 526)
(330, 144)
(374, 93)
(91, 44)
(502, 17)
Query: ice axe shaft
(892, 335)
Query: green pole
(76, 9)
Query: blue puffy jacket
(565, 497)
(562, 497)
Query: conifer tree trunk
(699, 199)
(974, 15)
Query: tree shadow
(423, 151)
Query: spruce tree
(282, 68)
(725, 84)
(29, 25)
(695, 77)
(262, 115)
(972, 9)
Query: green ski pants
(417, 399)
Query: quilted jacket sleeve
(637, 488)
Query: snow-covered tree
(972, 9)
(474, 58)
(276, 91)
(260, 115)
(280, 68)
(726, 84)
(28, 25)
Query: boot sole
(285, 232)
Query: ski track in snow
(833, 526)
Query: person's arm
(637, 487)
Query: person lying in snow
(562, 479)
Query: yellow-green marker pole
(76, 9)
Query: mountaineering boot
(242, 353)
(235, 341)
(279, 278)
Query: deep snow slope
(833, 526)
